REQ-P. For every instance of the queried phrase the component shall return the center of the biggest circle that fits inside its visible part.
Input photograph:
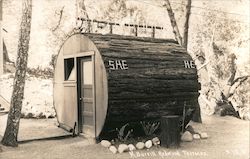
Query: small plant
(122, 135)
(150, 127)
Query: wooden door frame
(80, 56)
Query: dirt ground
(228, 139)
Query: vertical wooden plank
(94, 94)
(101, 92)
(153, 32)
(170, 131)
(136, 31)
(70, 104)
(76, 99)
(87, 94)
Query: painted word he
(118, 64)
(189, 64)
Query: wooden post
(111, 28)
(170, 131)
(136, 30)
(153, 32)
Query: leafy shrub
(150, 127)
(122, 135)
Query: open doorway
(86, 95)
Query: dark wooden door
(86, 95)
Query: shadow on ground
(228, 139)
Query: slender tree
(11, 132)
(82, 13)
(186, 25)
(173, 22)
(182, 42)
(197, 114)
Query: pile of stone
(130, 147)
(190, 135)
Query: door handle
(80, 99)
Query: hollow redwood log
(133, 79)
(155, 81)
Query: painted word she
(118, 64)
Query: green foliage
(122, 135)
(149, 128)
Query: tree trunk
(82, 13)
(11, 132)
(186, 26)
(173, 22)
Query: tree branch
(241, 79)
(236, 83)
(203, 65)
(60, 19)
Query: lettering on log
(189, 64)
(118, 64)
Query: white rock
(105, 143)
(187, 137)
(140, 145)
(113, 149)
(156, 141)
(122, 148)
(148, 144)
(196, 136)
(203, 135)
(131, 147)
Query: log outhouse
(104, 81)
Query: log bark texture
(170, 131)
(11, 132)
(156, 82)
